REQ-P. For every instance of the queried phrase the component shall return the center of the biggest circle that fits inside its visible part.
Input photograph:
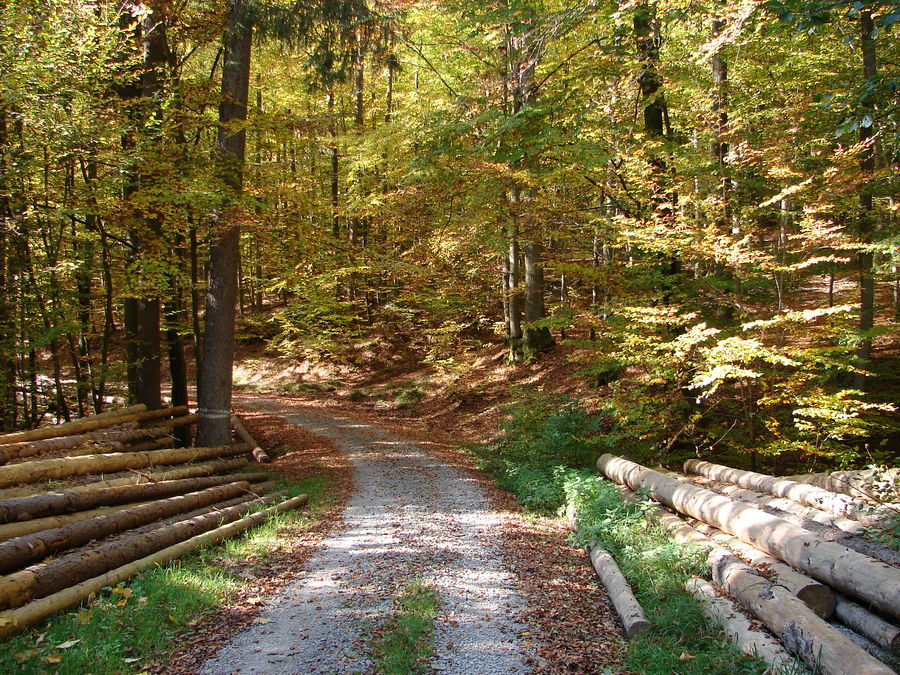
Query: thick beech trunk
(88, 424)
(808, 495)
(55, 503)
(257, 452)
(84, 563)
(735, 624)
(836, 565)
(620, 592)
(31, 472)
(214, 395)
(12, 621)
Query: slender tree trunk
(866, 215)
(333, 151)
(7, 331)
(218, 343)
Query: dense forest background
(697, 200)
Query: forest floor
(514, 595)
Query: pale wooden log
(619, 591)
(14, 620)
(737, 627)
(10, 530)
(67, 501)
(858, 484)
(842, 568)
(818, 597)
(82, 426)
(258, 453)
(808, 495)
(801, 631)
(884, 634)
(21, 551)
(86, 562)
(865, 643)
(31, 472)
(798, 628)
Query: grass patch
(403, 644)
(126, 626)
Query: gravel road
(412, 517)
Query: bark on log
(808, 495)
(858, 484)
(831, 563)
(14, 620)
(619, 591)
(258, 453)
(734, 623)
(802, 632)
(11, 530)
(179, 421)
(884, 634)
(63, 443)
(21, 551)
(818, 597)
(82, 426)
(66, 501)
(31, 472)
(799, 629)
(116, 412)
(39, 581)
(163, 438)
(865, 643)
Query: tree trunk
(257, 452)
(831, 563)
(218, 344)
(619, 591)
(537, 338)
(15, 620)
(31, 472)
(21, 551)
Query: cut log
(725, 614)
(808, 495)
(859, 484)
(838, 566)
(11, 530)
(879, 631)
(14, 620)
(818, 597)
(63, 443)
(258, 453)
(67, 501)
(179, 421)
(58, 573)
(865, 643)
(31, 472)
(82, 426)
(163, 439)
(802, 632)
(22, 551)
(619, 591)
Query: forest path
(412, 517)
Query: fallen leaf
(261, 620)
(52, 659)
(27, 655)
(686, 657)
(67, 644)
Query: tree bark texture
(21, 551)
(214, 400)
(31, 472)
(61, 572)
(15, 620)
(619, 591)
(831, 563)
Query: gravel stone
(412, 517)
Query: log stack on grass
(765, 562)
(89, 503)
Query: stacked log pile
(831, 605)
(87, 504)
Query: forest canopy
(698, 200)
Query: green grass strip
(126, 626)
(403, 644)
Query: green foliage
(402, 644)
